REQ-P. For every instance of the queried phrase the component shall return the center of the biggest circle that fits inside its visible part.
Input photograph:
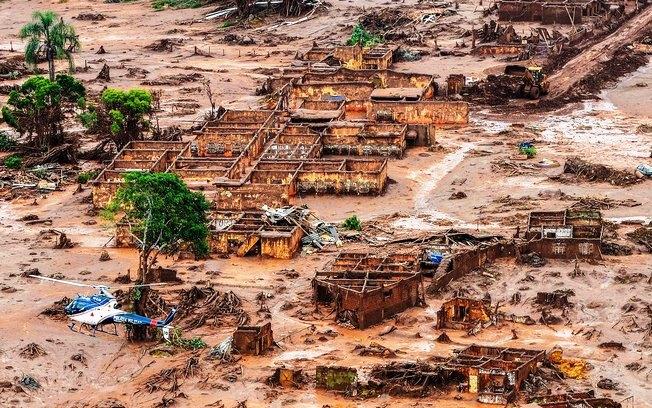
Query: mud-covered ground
(610, 298)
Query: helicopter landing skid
(93, 329)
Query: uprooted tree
(49, 37)
(163, 216)
(40, 106)
(124, 115)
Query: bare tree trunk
(49, 54)
(140, 333)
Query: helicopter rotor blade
(140, 285)
(62, 281)
(95, 286)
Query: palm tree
(49, 37)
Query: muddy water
(426, 196)
(633, 95)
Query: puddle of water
(564, 333)
(597, 124)
(490, 126)
(301, 354)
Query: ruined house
(253, 340)
(496, 374)
(249, 233)
(462, 313)
(380, 56)
(328, 132)
(565, 234)
(365, 289)
(549, 11)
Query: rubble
(414, 379)
(607, 384)
(165, 44)
(90, 17)
(374, 349)
(598, 172)
(56, 311)
(557, 299)
(533, 259)
(643, 236)
(29, 382)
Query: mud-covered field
(612, 298)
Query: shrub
(6, 142)
(13, 162)
(159, 5)
(40, 106)
(352, 223)
(529, 151)
(86, 176)
(363, 37)
(195, 343)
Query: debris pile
(57, 310)
(32, 350)
(29, 382)
(606, 203)
(223, 351)
(174, 80)
(643, 236)
(286, 8)
(317, 232)
(199, 306)
(90, 17)
(165, 44)
(533, 259)
(374, 349)
(415, 379)
(13, 67)
(598, 172)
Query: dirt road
(587, 62)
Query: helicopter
(100, 309)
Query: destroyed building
(253, 340)
(565, 234)
(249, 233)
(462, 313)
(365, 289)
(328, 133)
(572, 400)
(496, 374)
(245, 159)
(380, 56)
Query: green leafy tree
(40, 106)
(126, 113)
(163, 216)
(49, 37)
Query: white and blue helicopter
(98, 310)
